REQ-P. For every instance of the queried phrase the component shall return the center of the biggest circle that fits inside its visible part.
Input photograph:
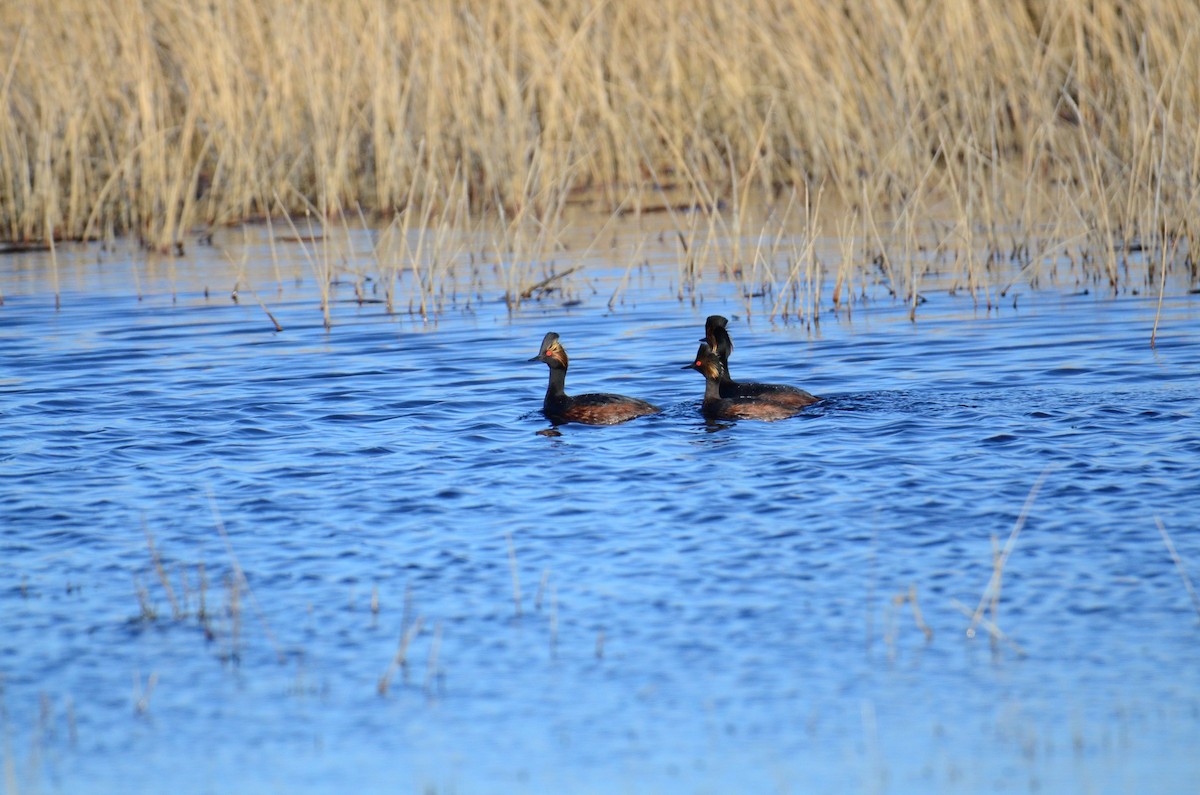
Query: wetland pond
(236, 559)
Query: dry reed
(891, 630)
(176, 611)
(400, 660)
(1187, 581)
(995, 129)
(238, 584)
(410, 626)
(990, 598)
(142, 693)
(516, 574)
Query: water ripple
(749, 585)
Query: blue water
(702, 608)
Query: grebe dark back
(719, 341)
(598, 408)
(717, 407)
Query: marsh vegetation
(1027, 133)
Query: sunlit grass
(985, 133)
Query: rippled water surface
(217, 536)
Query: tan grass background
(155, 117)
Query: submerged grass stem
(1187, 581)
(991, 594)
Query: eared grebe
(716, 407)
(719, 342)
(594, 409)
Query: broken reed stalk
(1187, 581)
(242, 278)
(908, 597)
(145, 604)
(996, 634)
(54, 268)
(546, 282)
(516, 575)
(270, 317)
(322, 271)
(400, 660)
(537, 599)
(845, 271)
(994, 606)
(234, 601)
(806, 259)
(991, 592)
(238, 582)
(1162, 287)
(161, 571)
(202, 607)
(415, 258)
(918, 617)
(141, 695)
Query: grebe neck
(557, 388)
(712, 389)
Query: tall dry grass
(1001, 129)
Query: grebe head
(551, 352)
(706, 362)
(717, 337)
